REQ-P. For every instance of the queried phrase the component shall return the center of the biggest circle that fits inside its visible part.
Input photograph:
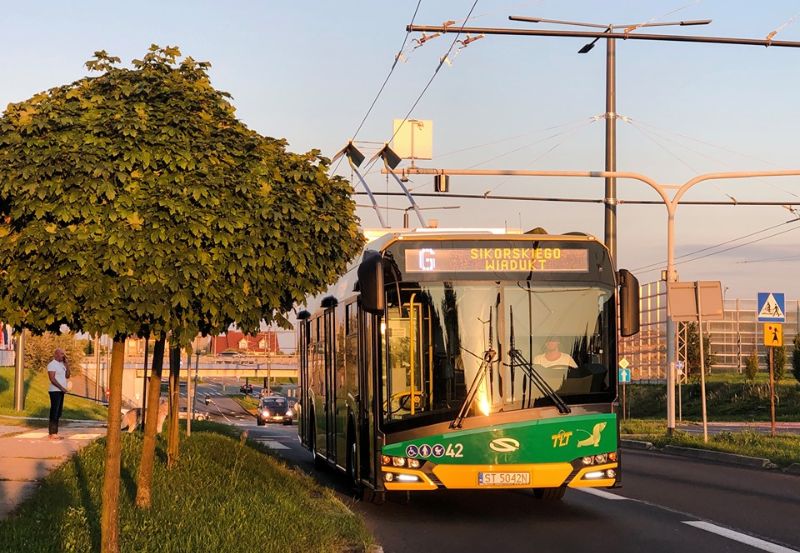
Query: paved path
(27, 456)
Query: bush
(751, 366)
(39, 351)
(88, 349)
(779, 363)
(796, 358)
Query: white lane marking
(84, 436)
(35, 435)
(31, 435)
(738, 536)
(601, 493)
(272, 444)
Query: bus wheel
(549, 494)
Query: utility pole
(19, 367)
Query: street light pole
(610, 198)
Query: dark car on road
(274, 409)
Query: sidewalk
(27, 456)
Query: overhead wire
(577, 126)
(676, 156)
(539, 157)
(508, 138)
(430, 81)
(653, 266)
(397, 58)
(770, 259)
(655, 128)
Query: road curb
(637, 444)
(794, 468)
(709, 455)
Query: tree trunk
(109, 518)
(144, 483)
(174, 405)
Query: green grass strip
(225, 495)
(783, 449)
(37, 400)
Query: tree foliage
(39, 351)
(134, 202)
(693, 350)
(779, 363)
(796, 357)
(751, 366)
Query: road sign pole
(772, 390)
(702, 362)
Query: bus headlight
(413, 463)
(399, 461)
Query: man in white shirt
(58, 373)
(553, 364)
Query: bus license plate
(504, 478)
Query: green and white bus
(479, 360)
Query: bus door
(330, 385)
(409, 385)
(366, 417)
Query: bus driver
(553, 364)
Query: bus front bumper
(537, 475)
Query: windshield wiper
(518, 360)
(480, 376)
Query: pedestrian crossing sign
(773, 335)
(771, 307)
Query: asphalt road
(667, 504)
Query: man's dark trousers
(56, 406)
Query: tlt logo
(561, 439)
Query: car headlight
(289, 413)
(265, 413)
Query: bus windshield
(437, 334)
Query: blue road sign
(624, 376)
(771, 307)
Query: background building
(732, 339)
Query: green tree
(39, 351)
(135, 203)
(88, 348)
(751, 367)
(779, 360)
(693, 351)
(796, 357)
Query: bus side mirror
(628, 303)
(370, 282)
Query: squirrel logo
(594, 438)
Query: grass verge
(37, 400)
(248, 403)
(225, 495)
(783, 449)
(727, 401)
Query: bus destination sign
(491, 260)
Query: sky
(308, 72)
